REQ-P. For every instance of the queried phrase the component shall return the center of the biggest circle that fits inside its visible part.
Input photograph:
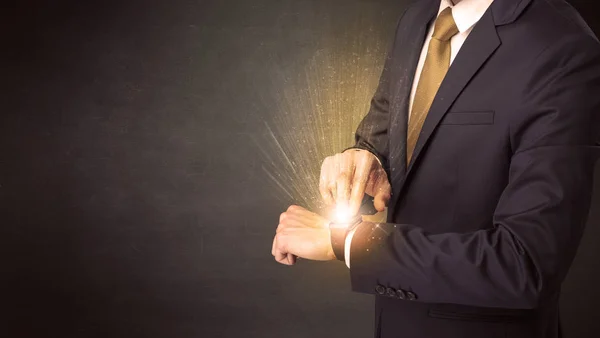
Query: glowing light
(320, 99)
(342, 214)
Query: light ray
(320, 100)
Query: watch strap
(339, 232)
(338, 241)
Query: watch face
(342, 213)
(346, 224)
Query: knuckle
(323, 188)
(281, 238)
(344, 170)
(343, 177)
(280, 228)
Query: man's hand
(303, 234)
(347, 176)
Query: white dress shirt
(466, 14)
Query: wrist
(377, 156)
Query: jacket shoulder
(554, 20)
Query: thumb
(381, 200)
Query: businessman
(481, 141)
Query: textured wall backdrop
(148, 147)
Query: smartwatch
(340, 230)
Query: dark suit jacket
(485, 221)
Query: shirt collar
(467, 12)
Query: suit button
(390, 292)
(411, 296)
(380, 290)
(400, 294)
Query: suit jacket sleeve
(540, 217)
(372, 132)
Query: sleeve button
(390, 292)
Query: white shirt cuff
(347, 246)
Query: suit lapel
(479, 46)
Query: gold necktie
(435, 68)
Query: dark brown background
(132, 200)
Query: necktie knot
(445, 26)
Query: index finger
(359, 183)
(344, 179)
